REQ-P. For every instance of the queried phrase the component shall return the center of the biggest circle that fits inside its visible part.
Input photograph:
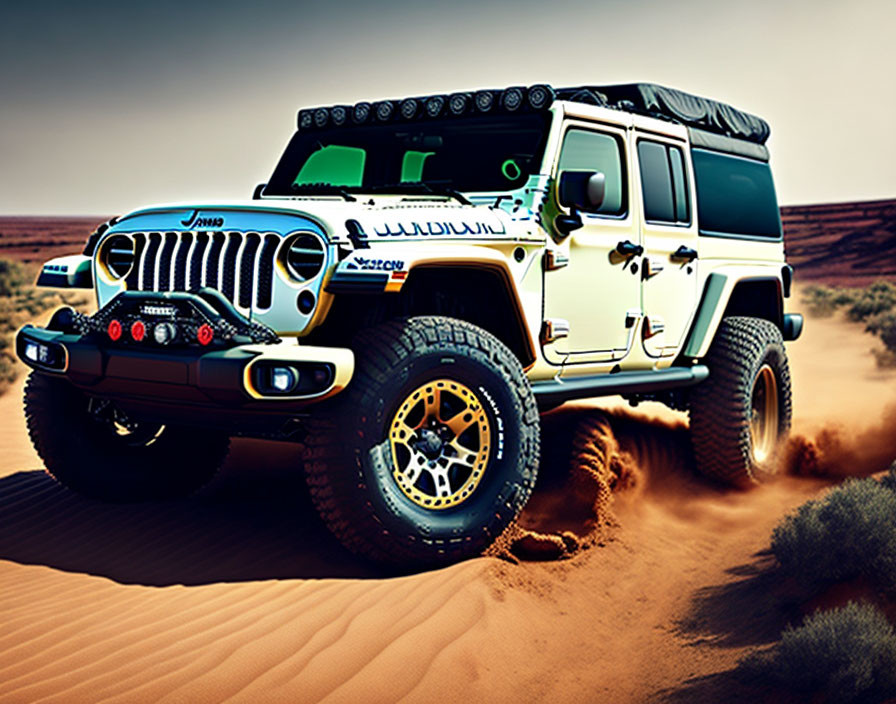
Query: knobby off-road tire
(362, 456)
(740, 416)
(86, 448)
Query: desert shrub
(848, 533)
(872, 300)
(842, 655)
(889, 481)
(820, 301)
(12, 277)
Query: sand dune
(239, 594)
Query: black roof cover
(669, 103)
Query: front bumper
(180, 383)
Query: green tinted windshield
(477, 153)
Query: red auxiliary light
(138, 330)
(205, 333)
(114, 331)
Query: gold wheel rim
(440, 439)
(764, 415)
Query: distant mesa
(843, 244)
(846, 244)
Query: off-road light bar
(339, 115)
(513, 99)
(540, 96)
(458, 103)
(434, 105)
(384, 110)
(484, 100)
(306, 119)
(360, 113)
(409, 108)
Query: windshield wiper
(323, 189)
(414, 187)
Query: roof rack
(648, 99)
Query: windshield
(468, 154)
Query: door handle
(684, 253)
(629, 249)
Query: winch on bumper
(180, 351)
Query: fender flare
(714, 301)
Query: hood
(376, 218)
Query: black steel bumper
(192, 383)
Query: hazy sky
(108, 106)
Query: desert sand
(239, 594)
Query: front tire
(91, 447)
(740, 416)
(432, 450)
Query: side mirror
(582, 190)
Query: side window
(584, 150)
(663, 183)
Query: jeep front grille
(239, 265)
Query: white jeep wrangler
(416, 281)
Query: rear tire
(740, 416)
(432, 450)
(91, 447)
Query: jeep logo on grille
(195, 221)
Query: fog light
(284, 379)
(114, 330)
(138, 331)
(32, 351)
(163, 333)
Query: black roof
(674, 105)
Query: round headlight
(321, 117)
(118, 255)
(434, 105)
(360, 112)
(304, 256)
(339, 115)
(458, 103)
(484, 100)
(540, 96)
(384, 110)
(512, 99)
(408, 108)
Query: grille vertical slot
(265, 277)
(228, 265)
(165, 256)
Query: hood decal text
(436, 228)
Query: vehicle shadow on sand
(255, 521)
